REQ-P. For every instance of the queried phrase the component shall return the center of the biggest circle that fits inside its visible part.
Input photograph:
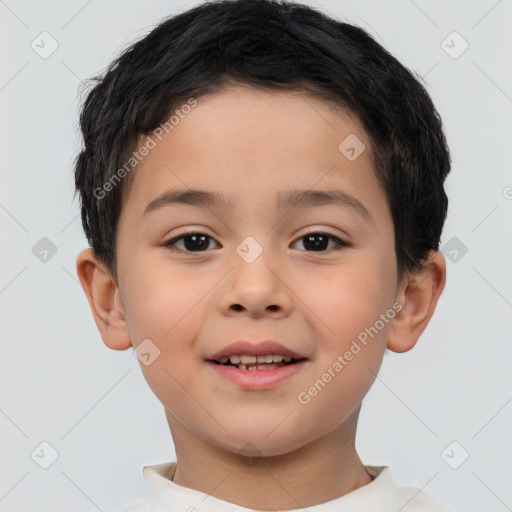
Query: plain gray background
(61, 385)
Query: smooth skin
(250, 145)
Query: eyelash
(341, 243)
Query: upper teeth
(249, 359)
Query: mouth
(252, 362)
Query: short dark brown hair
(275, 45)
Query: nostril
(239, 307)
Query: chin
(251, 445)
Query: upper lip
(256, 349)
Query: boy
(262, 190)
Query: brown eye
(319, 242)
(191, 242)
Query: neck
(320, 471)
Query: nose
(256, 289)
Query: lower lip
(257, 379)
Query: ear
(418, 294)
(104, 299)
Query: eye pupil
(198, 242)
(318, 245)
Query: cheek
(164, 307)
(357, 292)
(163, 300)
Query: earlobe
(104, 300)
(418, 294)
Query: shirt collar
(163, 492)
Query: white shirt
(380, 495)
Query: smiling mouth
(250, 362)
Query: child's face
(252, 147)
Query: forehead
(252, 146)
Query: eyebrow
(285, 200)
